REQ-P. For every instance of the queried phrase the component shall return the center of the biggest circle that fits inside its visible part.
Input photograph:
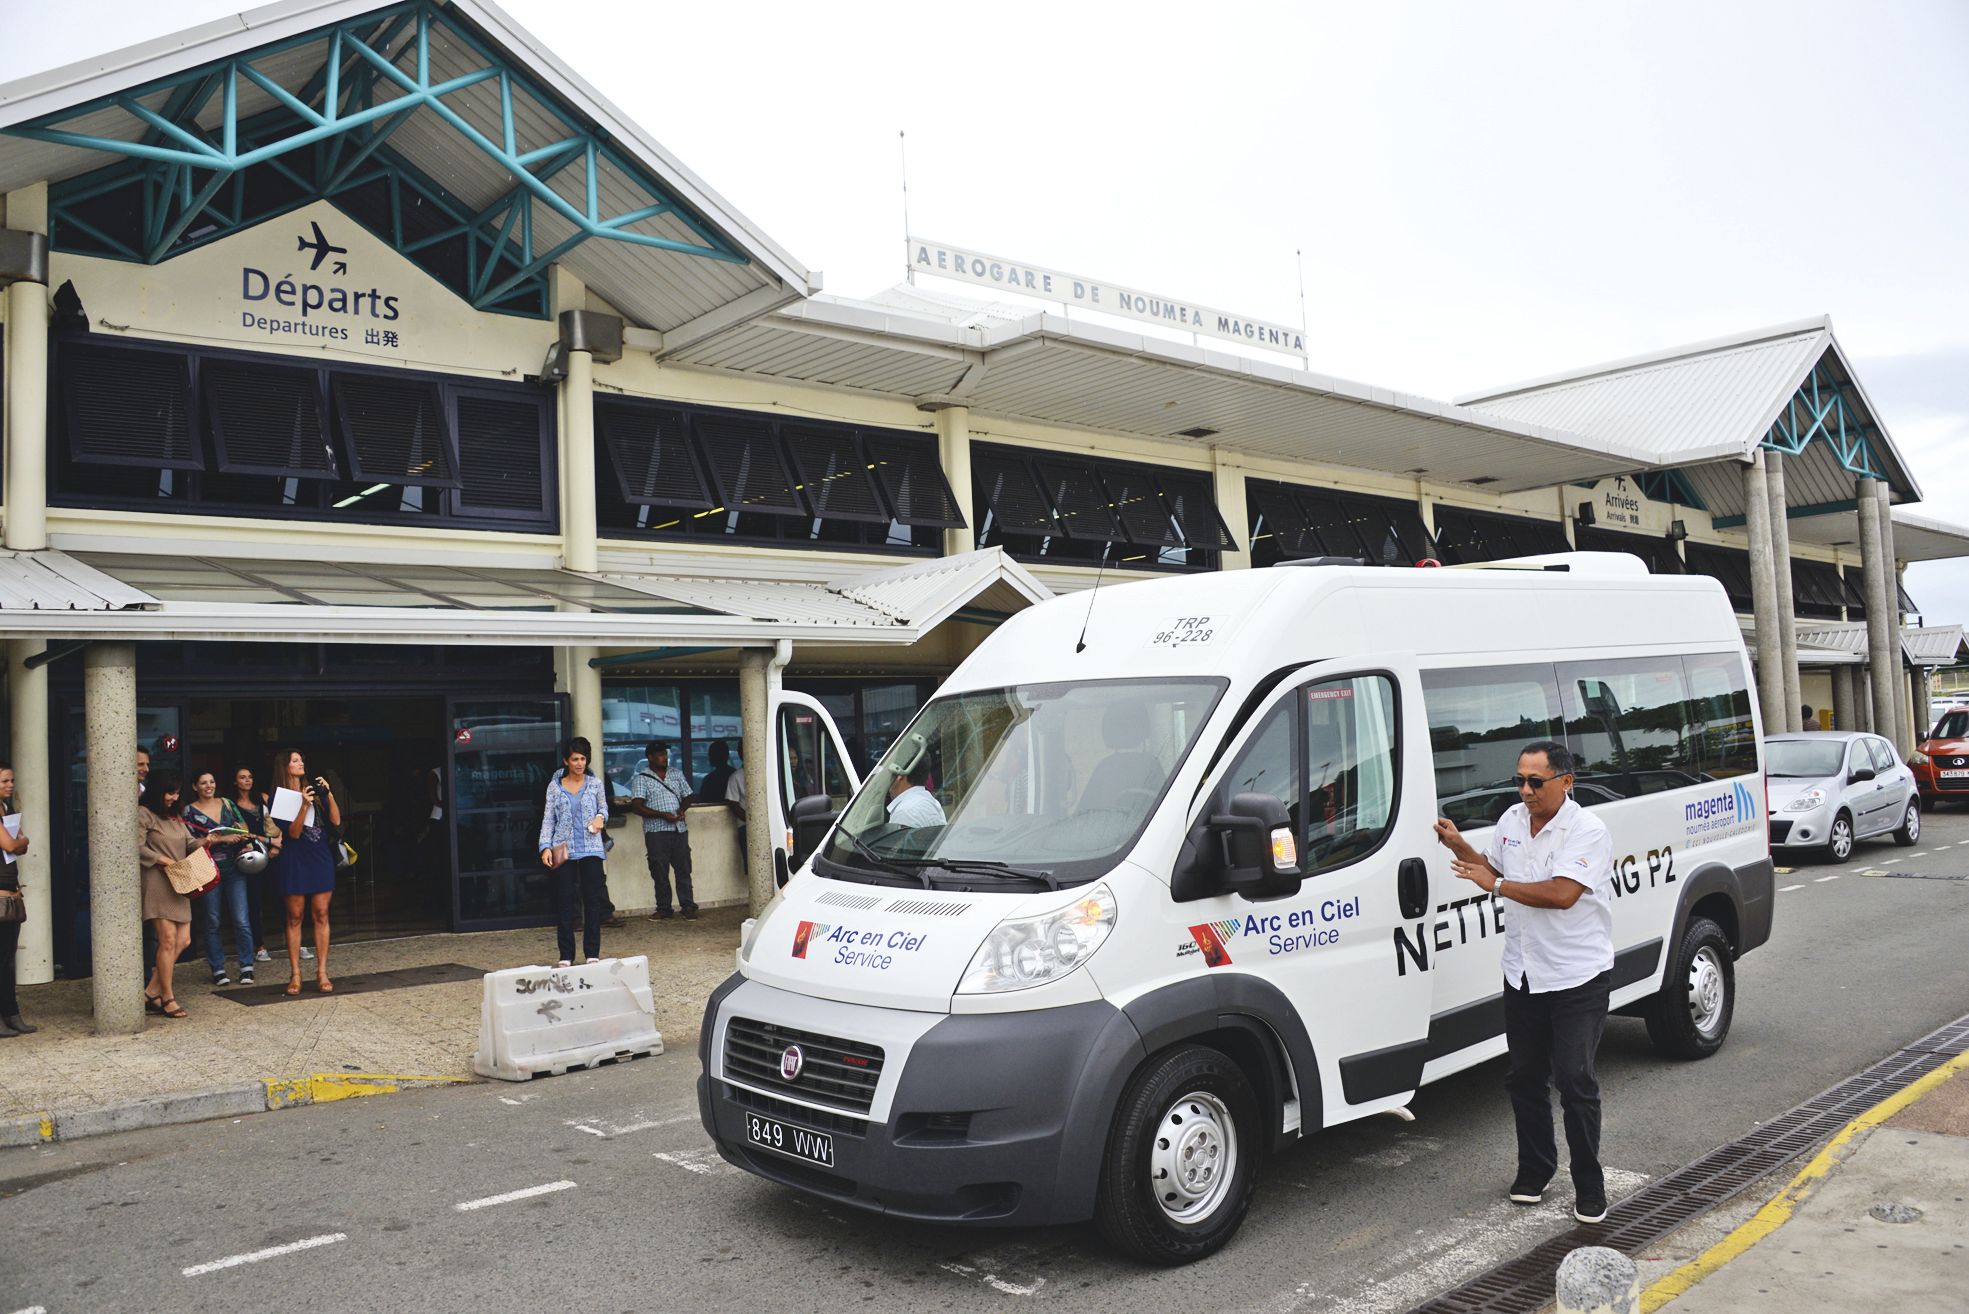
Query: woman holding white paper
(306, 871)
(13, 844)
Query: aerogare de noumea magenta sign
(972, 266)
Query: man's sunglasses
(1535, 782)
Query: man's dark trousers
(670, 850)
(1553, 1038)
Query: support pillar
(1902, 731)
(579, 549)
(24, 417)
(27, 692)
(1883, 659)
(1227, 481)
(1787, 613)
(1764, 598)
(1924, 698)
(1862, 699)
(954, 451)
(584, 687)
(109, 692)
(1842, 699)
(757, 674)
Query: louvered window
(1010, 490)
(127, 406)
(746, 466)
(266, 420)
(394, 430)
(1659, 553)
(1465, 536)
(1293, 521)
(1138, 504)
(650, 448)
(501, 460)
(1080, 500)
(1192, 504)
(1280, 529)
(912, 480)
(1815, 589)
(1731, 566)
(833, 473)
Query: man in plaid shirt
(660, 794)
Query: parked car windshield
(1037, 784)
(1804, 757)
(1953, 726)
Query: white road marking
(592, 1131)
(1823, 879)
(595, 1127)
(1451, 1253)
(525, 1193)
(33, 1309)
(1888, 862)
(1945, 846)
(992, 1280)
(271, 1252)
(704, 1162)
(1786, 889)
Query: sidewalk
(390, 1025)
(1875, 1222)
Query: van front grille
(842, 1073)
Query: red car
(1940, 762)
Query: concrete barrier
(1598, 1280)
(549, 1019)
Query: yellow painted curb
(326, 1087)
(47, 1127)
(1781, 1206)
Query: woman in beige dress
(163, 839)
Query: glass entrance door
(503, 753)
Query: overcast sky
(1483, 191)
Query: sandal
(294, 986)
(324, 985)
(153, 1004)
(172, 1008)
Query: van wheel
(1839, 840)
(1690, 1015)
(1181, 1158)
(1910, 831)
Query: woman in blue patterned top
(571, 845)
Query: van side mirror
(812, 816)
(1861, 775)
(1261, 847)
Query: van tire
(1201, 1091)
(1689, 1017)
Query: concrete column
(1924, 696)
(1902, 732)
(1862, 698)
(584, 687)
(954, 452)
(755, 702)
(109, 692)
(27, 692)
(27, 416)
(1842, 698)
(1227, 481)
(1787, 611)
(1882, 644)
(578, 530)
(1771, 693)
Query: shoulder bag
(13, 906)
(193, 874)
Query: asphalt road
(403, 1200)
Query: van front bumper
(996, 1118)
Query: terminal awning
(129, 596)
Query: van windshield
(1798, 757)
(1037, 784)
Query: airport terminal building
(372, 386)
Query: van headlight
(1031, 951)
(1806, 801)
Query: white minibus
(1150, 890)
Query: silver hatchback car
(1829, 789)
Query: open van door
(1343, 746)
(809, 758)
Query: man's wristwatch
(1497, 887)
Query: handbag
(193, 874)
(13, 907)
(556, 854)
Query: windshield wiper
(886, 865)
(989, 867)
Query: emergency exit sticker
(1182, 630)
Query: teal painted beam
(649, 655)
(1794, 513)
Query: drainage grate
(1525, 1284)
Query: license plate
(1955, 775)
(813, 1146)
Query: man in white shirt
(1553, 861)
(910, 801)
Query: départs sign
(1075, 290)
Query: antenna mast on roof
(908, 265)
(1305, 334)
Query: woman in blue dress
(571, 846)
(306, 871)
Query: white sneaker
(262, 956)
(307, 953)
(564, 963)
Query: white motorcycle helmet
(252, 859)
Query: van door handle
(1412, 887)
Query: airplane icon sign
(322, 249)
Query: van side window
(1352, 771)
(1266, 764)
(1625, 724)
(1479, 717)
(1722, 736)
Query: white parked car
(1828, 791)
